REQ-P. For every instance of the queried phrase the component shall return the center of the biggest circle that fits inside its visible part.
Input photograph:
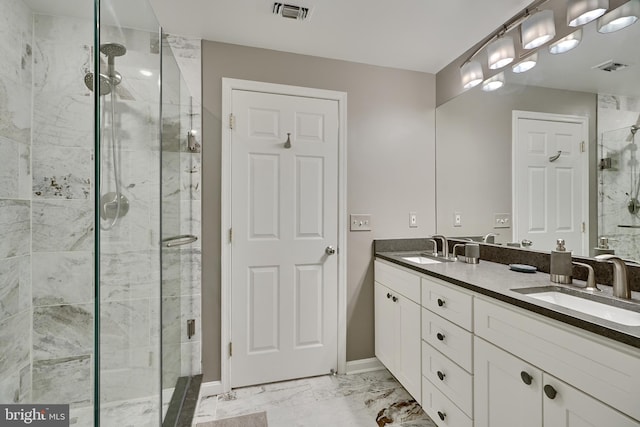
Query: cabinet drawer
(448, 302)
(449, 339)
(438, 406)
(607, 370)
(453, 381)
(398, 280)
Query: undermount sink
(424, 258)
(421, 260)
(617, 311)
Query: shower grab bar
(183, 239)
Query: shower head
(105, 85)
(113, 49)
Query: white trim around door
(228, 85)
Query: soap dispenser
(560, 268)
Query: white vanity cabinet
(397, 324)
(447, 353)
(543, 373)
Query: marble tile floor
(367, 399)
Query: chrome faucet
(620, 282)
(435, 247)
(489, 238)
(445, 244)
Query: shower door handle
(183, 239)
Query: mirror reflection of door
(550, 180)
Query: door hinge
(230, 349)
(232, 121)
(582, 149)
(584, 227)
(230, 235)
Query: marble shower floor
(369, 399)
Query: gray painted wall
(391, 167)
(474, 154)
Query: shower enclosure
(99, 211)
(619, 190)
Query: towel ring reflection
(287, 143)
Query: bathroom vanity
(474, 346)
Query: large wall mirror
(499, 170)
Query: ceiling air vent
(610, 66)
(290, 11)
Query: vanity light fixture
(526, 64)
(538, 29)
(567, 43)
(620, 17)
(580, 12)
(493, 83)
(501, 52)
(471, 72)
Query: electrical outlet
(457, 219)
(502, 220)
(413, 219)
(360, 222)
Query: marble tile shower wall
(16, 28)
(616, 114)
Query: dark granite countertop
(498, 281)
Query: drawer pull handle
(526, 378)
(440, 302)
(441, 375)
(395, 299)
(550, 391)
(442, 415)
(440, 336)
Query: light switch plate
(413, 220)
(502, 220)
(360, 222)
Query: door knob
(330, 250)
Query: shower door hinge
(582, 147)
(191, 328)
(232, 121)
(230, 349)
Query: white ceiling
(420, 35)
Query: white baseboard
(364, 365)
(211, 388)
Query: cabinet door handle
(395, 299)
(440, 302)
(440, 336)
(550, 391)
(526, 378)
(442, 415)
(388, 296)
(441, 375)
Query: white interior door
(550, 174)
(284, 206)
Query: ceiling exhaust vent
(290, 11)
(610, 66)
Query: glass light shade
(620, 17)
(493, 83)
(501, 52)
(471, 73)
(538, 29)
(526, 64)
(580, 12)
(567, 43)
